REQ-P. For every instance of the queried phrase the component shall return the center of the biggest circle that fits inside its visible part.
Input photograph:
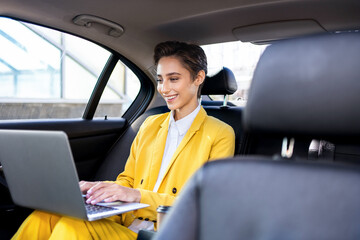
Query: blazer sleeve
(126, 178)
(154, 199)
(224, 144)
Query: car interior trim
(99, 88)
(115, 30)
(271, 31)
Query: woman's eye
(159, 81)
(174, 79)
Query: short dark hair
(192, 57)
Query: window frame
(140, 103)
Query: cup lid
(162, 209)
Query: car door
(50, 80)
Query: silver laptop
(41, 174)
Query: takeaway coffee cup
(161, 212)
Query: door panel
(90, 140)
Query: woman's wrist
(137, 195)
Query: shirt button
(174, 190)
(146, 219)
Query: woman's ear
(200, 78)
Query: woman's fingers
(85, 186)
(94, 200)
(112, 198)
(110, 192)
(95, 187)
(101, 191)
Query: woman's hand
(85, 186)
(108, 192)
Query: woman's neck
(181, 113)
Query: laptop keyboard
(91, 209)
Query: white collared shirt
(176, 132)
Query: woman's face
(177, 87)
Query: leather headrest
(222, 83)
(307, 86)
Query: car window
(239, 57)
(46, 73)
(122, 89)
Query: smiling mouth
(170, 98)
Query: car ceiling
(147, 22)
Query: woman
(167, 150)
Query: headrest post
(287, 152)
(226, 98)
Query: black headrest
(307, 86)
(222, 83)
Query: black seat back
(259, 199)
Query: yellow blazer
(207, 139)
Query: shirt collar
(183, 124)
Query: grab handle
(86, 20)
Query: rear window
(239, 57)
(45, 73)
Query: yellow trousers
(42, 225)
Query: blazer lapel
(195, 126)
(158, 152)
